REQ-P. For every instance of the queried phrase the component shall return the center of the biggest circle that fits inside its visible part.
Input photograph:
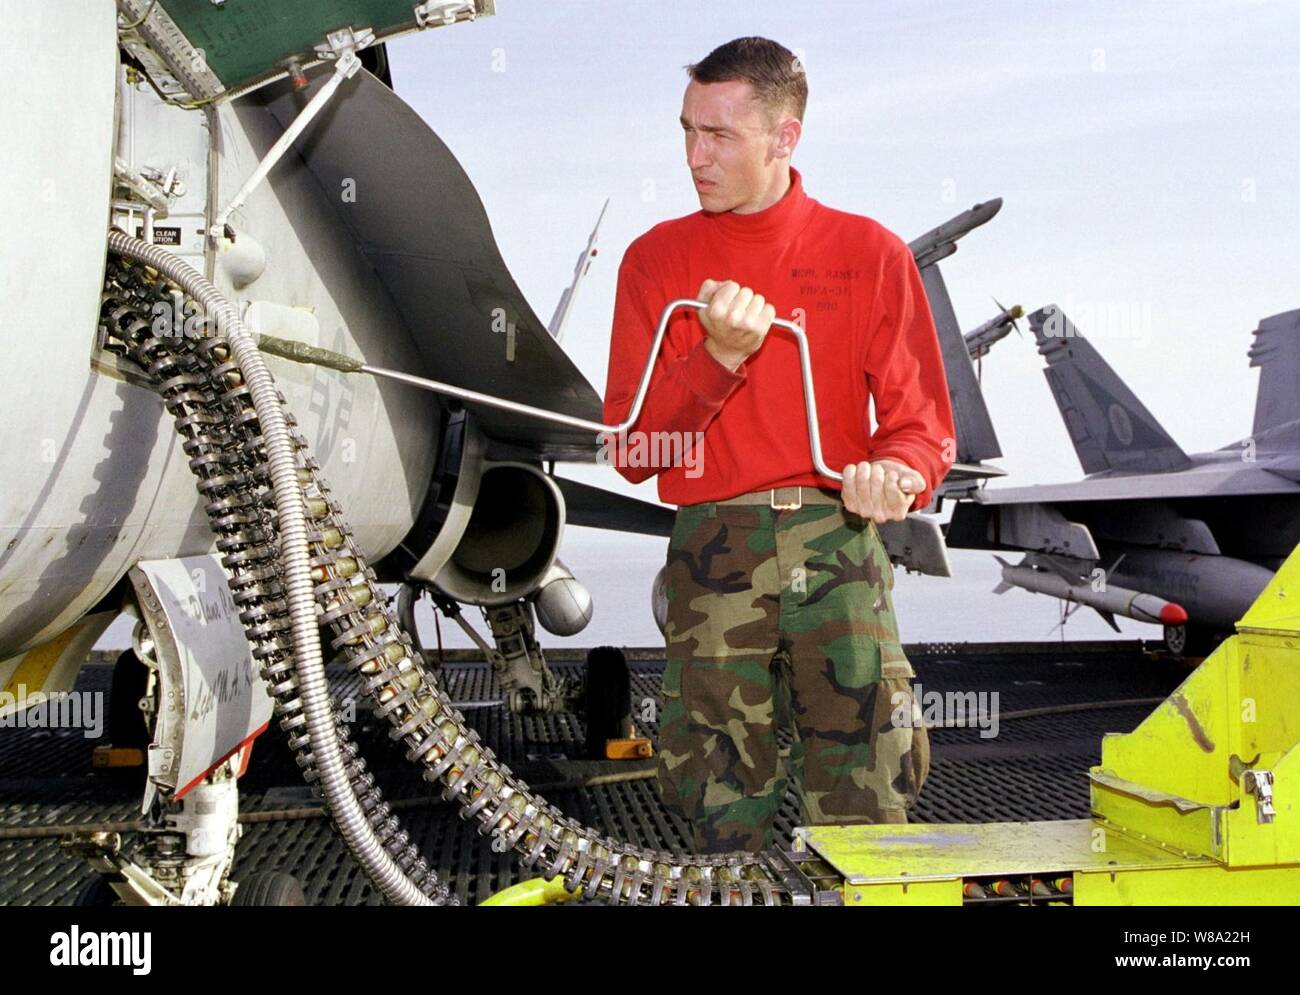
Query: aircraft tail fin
(1003, 587)
(1108, 618)
(976, 439)
(1276, 351)
(1110, 428)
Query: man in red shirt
(779, 588)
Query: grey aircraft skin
(1204, 531)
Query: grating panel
(1034, 769)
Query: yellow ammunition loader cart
(1197, 806)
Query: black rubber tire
(269, 888)
(1194, 641)
(126, 725)
(608, 699)
(96, 893)
(1175, 638)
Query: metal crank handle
(805, 370)
(303, 353)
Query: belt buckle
(786, 507)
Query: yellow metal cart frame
(1191, 808)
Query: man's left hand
(882, 490)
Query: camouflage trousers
(783, 618)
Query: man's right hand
(736, 321)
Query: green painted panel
(244, 40)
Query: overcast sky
(1146, 153)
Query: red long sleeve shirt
(854, 287)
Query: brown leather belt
(786, 498)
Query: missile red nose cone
(1172, 614)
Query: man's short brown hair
(771, 69)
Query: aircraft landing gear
(186, 705)
(527, 684)
(97, 893)
(183, 858)
(1191, 641)
(269, 888)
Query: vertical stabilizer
(1276, 351)
(1110, 428)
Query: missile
(561, 316)
(1116, 600)
(938, 243)
(941, 251)
(980, 340)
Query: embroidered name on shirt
(834, 284)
